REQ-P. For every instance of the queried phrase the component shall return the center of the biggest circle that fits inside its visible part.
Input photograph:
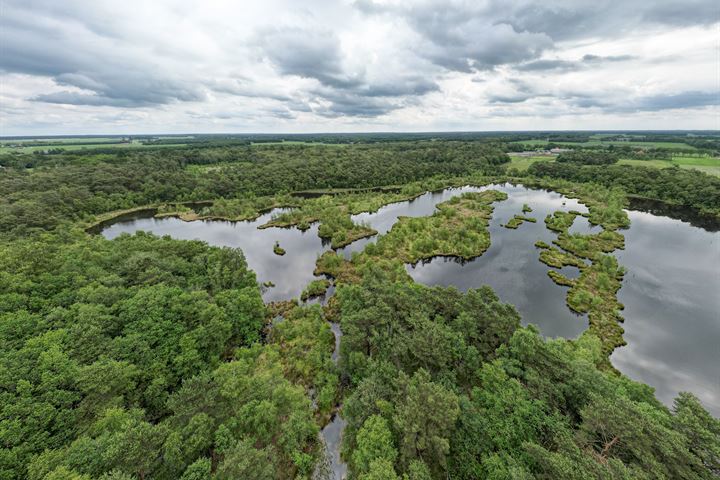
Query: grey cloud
(316, 54)
(608, 101)
(306, 53)
(589, 58)
(399, 87)
(647, 103)
(353, 106)
(280, 112)
(74, 98)
(244, 88)
(371, 99)
(607, 18)
(466, 35)
(586, 61)
(469, 43)
(690, 99)
(514, 98)
(32, 44)
(545, 65)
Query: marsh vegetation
(140, 356)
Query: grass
(595, 291)
(522, 163)
(278, 250)
(334, 212)
(316, 288)
(299, 142)
(599, 142)
(68, 146)
(709, 165)
(457, 229)
(518, 220)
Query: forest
(147, 357)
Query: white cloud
(283, 66)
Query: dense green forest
(78, 186)
(152, 358)
(672, 185)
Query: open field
(595, 143)
(522, 163)
(77, 145)
(299, 142)
(708, 165)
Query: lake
(671, 291)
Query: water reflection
(511, 266)
(672, 308)
(671, 291)
(290, 273)
(385, 217)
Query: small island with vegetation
(146, 356)
(278, 250)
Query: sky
(287, 66)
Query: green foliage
(412, 326)
(374, 442)
(278, 250)
(316, 288)
(306, 343)
(518, 220)
(672, 185)
(112, 362)
(527, 408)
(80, 185)
(145, 357)
(588, 157)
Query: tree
(425, 419)
(374, 441)
(380, 469)
(245, 461)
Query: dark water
(671, 291)
(511, 266)
(290, 273)
(385, 217)
(672, 308)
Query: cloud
(74, 56)
(463, 36)
(586, 61)
(307, 53)
(315, 53)
(589, 58)
(76, 66)
(588, 19)
(691, 99)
